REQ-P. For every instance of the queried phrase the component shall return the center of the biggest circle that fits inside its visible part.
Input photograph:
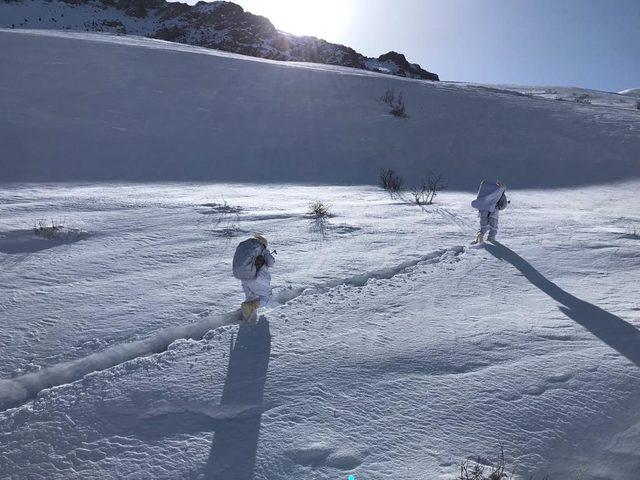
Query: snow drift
(633, 92)
(100, 107)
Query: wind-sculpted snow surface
(18, 390)
(434, 354)
(80, 106)
(23, 388)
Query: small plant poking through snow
(390, 182)
(396, 102)
(222, 207)
(638, 105)
(224, 217)
(477, 471)
(427, 192)
(389, 96)
(51, 229)
(584, 98)
(319, 209)
(633, 232)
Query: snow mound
(26, 241)
(633, 92)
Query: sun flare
(325, 19)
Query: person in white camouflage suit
(251, 265)
(490, 200)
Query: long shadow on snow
(235, 443)
(236, 421)
(612, 330)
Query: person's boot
(491, 237)
(249, 308)
(479, 238)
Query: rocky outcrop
(223, 26)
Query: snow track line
(14, 392)
(17, 391)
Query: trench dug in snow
(23, 388)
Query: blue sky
(588, 43)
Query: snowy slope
(392, 348)
(586, 96)
(633, 92)
(102, 107)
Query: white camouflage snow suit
(259, 287)
(486, 203)
(256, 282)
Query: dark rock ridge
(220, 25)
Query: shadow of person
(612, 330)
(235, 442)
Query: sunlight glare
(326, 19)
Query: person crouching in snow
(251, 263)
(490, 200)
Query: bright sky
(588, 43)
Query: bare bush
(585, 98)
(419, 195)
(396, 102)
(633, 233)
(390, 181)
(223, 217)
(52, 229)
(638, 105)
(319, 209)
(389, 96)
(429, 189)
(48, 228)
(222, 207)
(477, 471)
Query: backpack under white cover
(244, 266)
(488, 195)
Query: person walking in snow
(490, 200)
(251, 263)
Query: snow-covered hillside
(578, 95)
(633, 92)
(220, 25)
(82, 106)
(392, 347)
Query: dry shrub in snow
(53, 229)
(48, 228)
(396, 102)
(638, 105)
(319, 209)
(389, 96)
(390, 181)
(584, 98)
(477, 471)
(425, 193)
(633, 232)
(224, 217)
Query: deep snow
(126, 108)
(393, 347)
